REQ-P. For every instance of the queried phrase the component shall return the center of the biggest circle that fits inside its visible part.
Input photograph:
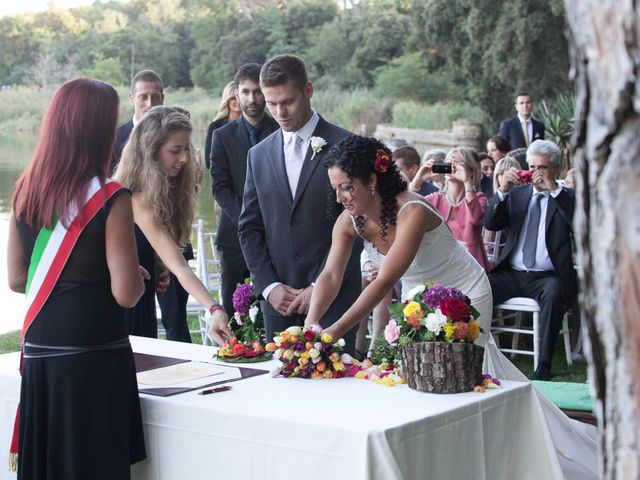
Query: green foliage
(21, 109)
(382, 351)
(410, 78)
(107, 69)
(10, 342)
(353, 109)
(467, 57)
(500, 47)
(438, 116)
(559, 122)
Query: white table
(321, 429)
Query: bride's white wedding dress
(443, 260)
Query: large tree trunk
(604, 43)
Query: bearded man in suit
(229, 147)
(288, 212)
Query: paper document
(176, 374)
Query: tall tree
(604, 51)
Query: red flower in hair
(382, 161)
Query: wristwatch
(472, 189)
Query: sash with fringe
(50, 254)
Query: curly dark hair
(355, 155)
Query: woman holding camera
(462, 204)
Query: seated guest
(486, 168)
(498, 147)
(520, 154)
(461, 204)
(570, 179)
(424, 173)
(395, 143)
(502, 166)
(536, 260)
(407, 160)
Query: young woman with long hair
(157, 166)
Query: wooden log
(441, 367)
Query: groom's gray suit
(286, 239)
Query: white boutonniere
(317, 144)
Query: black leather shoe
(543, 372)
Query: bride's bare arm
(411, 225)
(328, 283)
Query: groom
(287, 215)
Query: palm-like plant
(559, 122)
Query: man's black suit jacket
(511, 129)
(122, 135)
(229, 147)
(511, 213)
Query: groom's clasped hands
(287, 300)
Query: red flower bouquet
(248, 346)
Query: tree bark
(605, 49)
(441, 367)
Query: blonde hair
(171, 199)
(504, 164)
(469, 161)
(228, 94)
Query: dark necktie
(253, 135)
(531, 236)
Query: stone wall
(462, 133)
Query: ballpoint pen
(215, 390)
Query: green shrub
(351, 109)
(438, 116)
(409, 78)
(21, 109)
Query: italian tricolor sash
(50, 254)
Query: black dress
(142, 320)
(79, 414)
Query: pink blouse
(465, 221)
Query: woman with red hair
(72, 251)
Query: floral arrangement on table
(435, 313)
(310, 353)
(433, 334)
(248, 346)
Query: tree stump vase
(442, 367)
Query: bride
(410, 241)
(402, 233)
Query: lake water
(15, 153)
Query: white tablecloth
(319, 429)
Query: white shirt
(543, 262)
(293, 165)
